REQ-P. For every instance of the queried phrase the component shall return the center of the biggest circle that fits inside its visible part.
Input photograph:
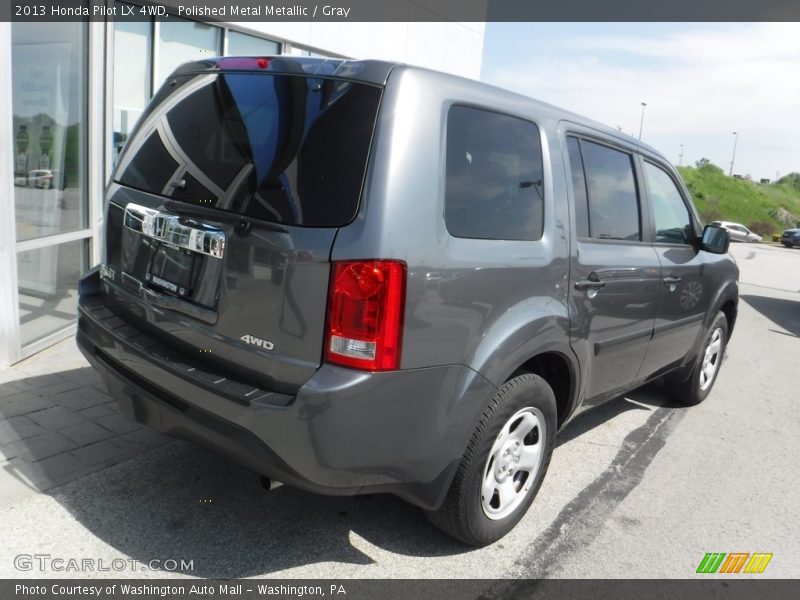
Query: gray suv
(360, 277)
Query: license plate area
(172, 270)
(172, 255)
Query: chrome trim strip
(167, 228)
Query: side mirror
(715, 239)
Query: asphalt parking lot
(636, 488)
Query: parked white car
(738, 232)
(41, 178)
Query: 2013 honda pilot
(358, 277)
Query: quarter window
(579, 187)
(493, 176)
(672, 220)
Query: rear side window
(283, 148)
(493, 176)
(672, 220)
(612, 201)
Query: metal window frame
(11, 349)
(9, 300)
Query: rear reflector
(366, 301)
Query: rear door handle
(589, 284)
(671, 280)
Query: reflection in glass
(49, 145)
(132, 64)
(180, 41)
(48, 288)
(273, 147)
(673, 225)
(613, 201)
(241, 44)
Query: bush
(711, 214)
(707, 165)
(783, 216)
(762, 228)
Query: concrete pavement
(58, 424)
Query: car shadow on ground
(179, 501)
(784, 313)
(646, 398)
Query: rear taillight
(365, 314)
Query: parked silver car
(738, 232)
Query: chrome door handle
(671, 280)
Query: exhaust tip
(269, 484)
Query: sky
(700, 81)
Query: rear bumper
(345, 432)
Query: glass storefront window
(48, 288)
(303, 52)
(49, 120)
(132, 73)
(181, 40)
(242, 44)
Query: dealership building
(70, 92)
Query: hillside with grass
(766, 208)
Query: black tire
(462, 515)
(695, 388)
(788, 245)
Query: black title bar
(404, 10)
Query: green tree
(792, 179)
(707, 165)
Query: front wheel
(697, 386)
(504, 464)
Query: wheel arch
(561, 375)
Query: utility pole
(641, 121)
(733, 158)
(680, 157)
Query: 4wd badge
(255, 341)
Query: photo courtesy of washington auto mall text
(77, 589)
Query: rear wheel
(697, 386)
(504, 464)
(787, 244)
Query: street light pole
(733, 158)
(641, 122)
(680, 158)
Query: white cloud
(699, 85)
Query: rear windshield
(283, 148)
